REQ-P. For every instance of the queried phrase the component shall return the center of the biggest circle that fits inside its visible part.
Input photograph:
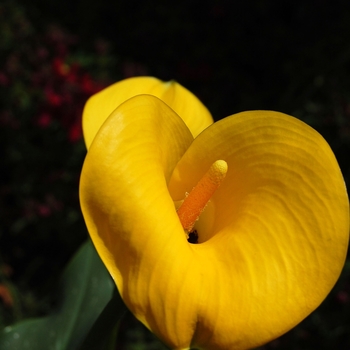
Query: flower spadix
(196, 201)
(272, 239)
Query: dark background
(290, 56)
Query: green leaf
(107, 324)
(84, 291)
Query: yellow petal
(183, 102)
(132, 219)
(280, 231)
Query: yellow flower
(272, 240)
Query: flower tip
(218, 171)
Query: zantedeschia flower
(272, 239)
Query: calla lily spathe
(272, 240)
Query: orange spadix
(197, 199)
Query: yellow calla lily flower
(272, 239)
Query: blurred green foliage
(83, 292)
(288, 56)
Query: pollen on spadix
(197, 199)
